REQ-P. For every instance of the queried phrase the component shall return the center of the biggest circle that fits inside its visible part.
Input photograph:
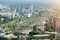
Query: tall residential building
(56, 24)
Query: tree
(34, 32)
(58, 38)
(34, 28)
(52, 36)
(3, 38)
(17, 33)
(48, 27)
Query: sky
(32, 0)
(20, 0)
(53, 1)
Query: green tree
(17, 33)
(49, 27)
(58, 38)
(34, 28)
(3, 38)
(52, 36)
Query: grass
(9, 22)
(13, 21)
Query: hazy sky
(33, 0)
(57, 1)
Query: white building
(1, 19)
(5, 11)
(2, 32)
(28, 15)
(10, 36)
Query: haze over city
(29, 19)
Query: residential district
(29, 22)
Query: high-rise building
(56, 24)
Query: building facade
(56, 24)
